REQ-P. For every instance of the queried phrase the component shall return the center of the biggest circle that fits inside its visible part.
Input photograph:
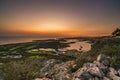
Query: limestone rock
(98, 70)
(95, 71)
(113, 76)
(102, 57)
(115, 72)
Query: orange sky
(59, 17)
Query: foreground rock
(98, 70)
(55, 69)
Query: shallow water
(77, 45)
(74, 43)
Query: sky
(58, 17)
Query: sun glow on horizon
(70, 18)
(52, 26)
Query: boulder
(49, 64)
(95, 71)
(54, 69)
(113, 71)
(119, 72)
(113, 76)
(102, 57)
(61, 70)
(102, 67)
(98, 70)
(82, 74)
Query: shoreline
(29, 40)
(20, 40)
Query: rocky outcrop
(54, 69)
(98, 70)
(62, 70)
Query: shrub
(22, 70)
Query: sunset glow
(59, 17)
(52, 26)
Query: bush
(22, 70)
(81, 60)
(109, 47)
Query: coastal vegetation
(25, 61)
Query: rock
(102, 67)
(105, 78)
(82, 74)
(95, 71)
(89, 65)
(98, 70)
(112, 70)
(97, 63)
(106, 62)
(113, 76)
(61, 70)
(49, 64)
(45, 71)
(96, 78)
(54, 69)
(119, 72)
(102, 57)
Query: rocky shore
(102, 62)
(100, 69)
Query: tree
(116, 32)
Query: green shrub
(80, 61)
(22, 70)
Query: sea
(13, 40)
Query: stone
(97, 63)
(105, 78)
(113, 71)
(98, 70)
(82, 74)
(102, 57)
(95, 71)
(96, 78)
(106, 62)
(119, 72)
(49, 64)
(113, 76)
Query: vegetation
(116, 32)
(28, 67)
(108, 46)
(23, 70)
